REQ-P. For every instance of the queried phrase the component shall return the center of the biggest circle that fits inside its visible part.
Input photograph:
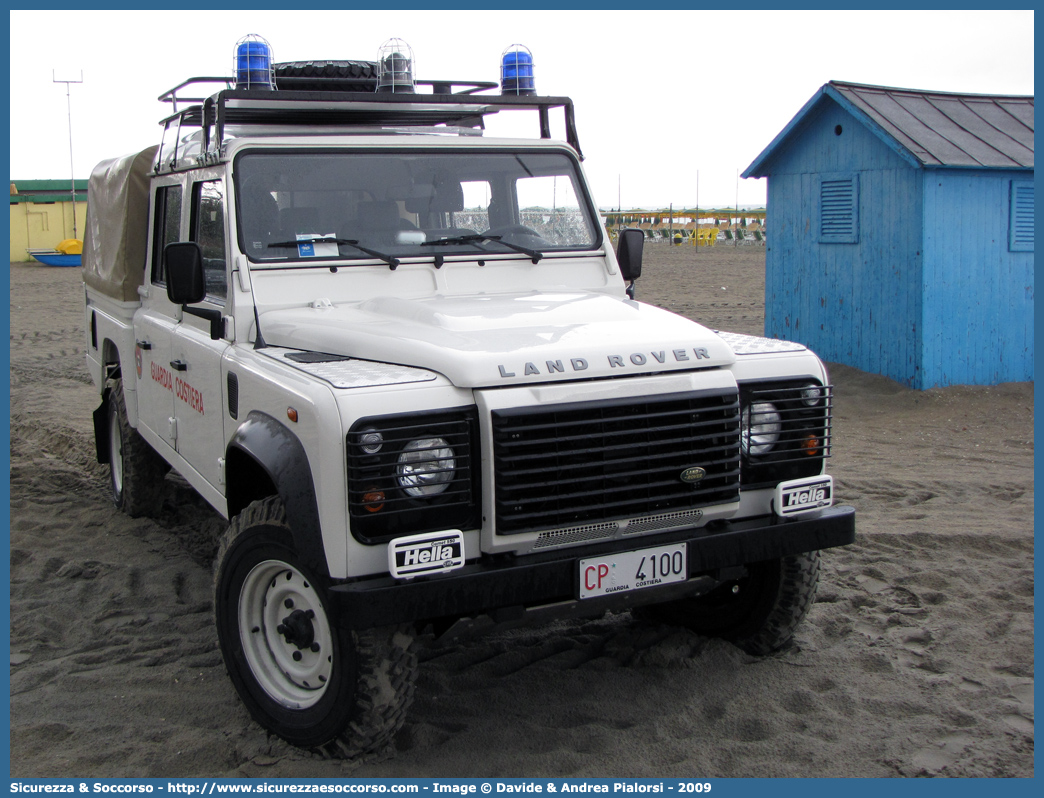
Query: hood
(482, 341)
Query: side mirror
(183, 265)
(629, 256)
(187, 284)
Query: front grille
(568, 465)
(804, 431)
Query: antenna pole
(72, 173)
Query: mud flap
(101, 431)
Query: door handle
(179, 365)
(144, 345)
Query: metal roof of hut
(929, 128)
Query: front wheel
(301, 675)
(760, 612)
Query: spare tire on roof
(326, 75)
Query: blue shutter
(1020, 221)
(837, 214)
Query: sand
(917, 659)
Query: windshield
(411, 203)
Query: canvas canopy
(116, 239)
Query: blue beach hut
(900, 233)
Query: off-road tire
(760, 612)
(349, 691)
(326, 75)
(135, 470)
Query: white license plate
(633, 570)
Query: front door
(195, 356)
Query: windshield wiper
(477, 237)
(351, 242)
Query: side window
(1020, 217)
(208, 230)
(167, 227)
(837, 216)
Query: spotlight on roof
(395, 67)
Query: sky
(671, 105)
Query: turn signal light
(810, 445)
(373, 500)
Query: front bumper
(509, 588)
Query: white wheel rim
(116, 454)
(285, 634)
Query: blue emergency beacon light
(516, 71)
(253, 64)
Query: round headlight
(761, 426)
(426, 467)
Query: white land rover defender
(405, 363)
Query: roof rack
(350, 102)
